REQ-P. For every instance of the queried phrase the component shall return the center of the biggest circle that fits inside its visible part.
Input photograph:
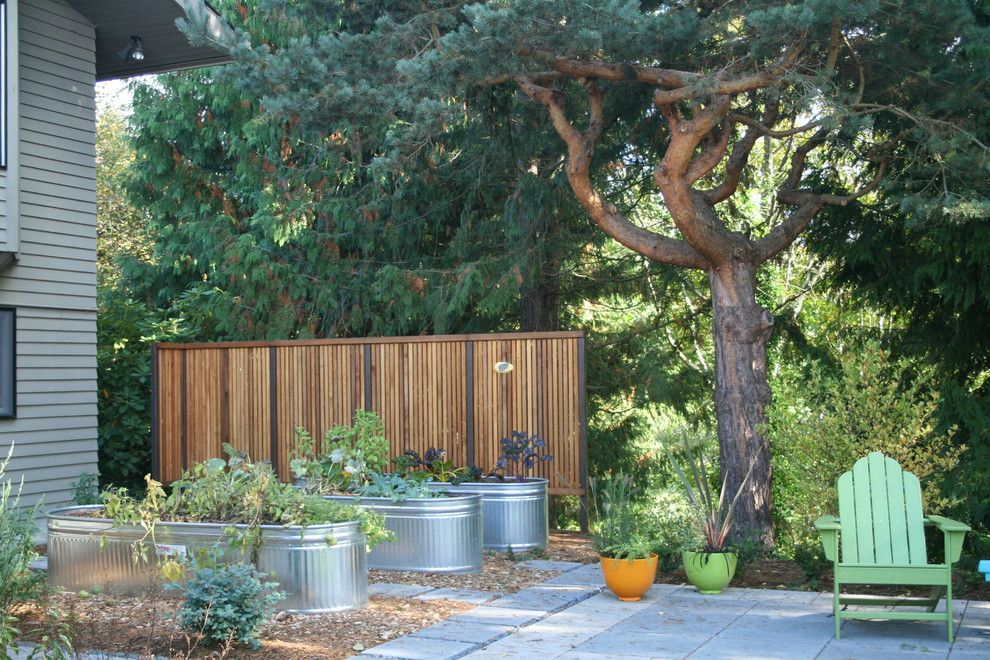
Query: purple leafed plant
(521, 452)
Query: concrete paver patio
(572, 617)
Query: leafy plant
(125, 331)
(714, 517)
(18, 583)
(397, 488)
(86, 490)
(619, 530)
(674, 525)
(350, 454)
(228, 603)
(822, 421)
(235, 491)
(436, 462)
(521, 452)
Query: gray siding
(53, 284)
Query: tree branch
(740, 156)
(580, 148)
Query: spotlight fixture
(134, 51)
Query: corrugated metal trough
(515, 512)
(321, 568)
(433, 535)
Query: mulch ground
(499, 574)
(148, 626)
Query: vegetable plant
(235, 491)
(397, 488)
(521, 452)
(349, 454)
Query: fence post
(155, 422)
(582, 436)
(367, 377)
(273, 406)
(469, 396)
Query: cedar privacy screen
(442, 391)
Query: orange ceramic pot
(629, 579)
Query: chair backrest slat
(880, 514)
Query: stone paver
(465, 631)
(570, 617)
(420, 648)
(472, 596)
(398, 590)
(547, 565)
(546, 597)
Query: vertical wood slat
(441, 392)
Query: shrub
(821, 424)
(675, 527)
(86, 490)
(125, 331)
(227, 604)
(18, 583)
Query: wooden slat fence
(438, 391)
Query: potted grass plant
(711, 567)
(619, 535)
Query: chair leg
(936, 594)
(949, 623)
(836, 607)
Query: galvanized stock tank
(433, 535)
(515, 512)
(321, 568)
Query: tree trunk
(539, 305)
(742, 393)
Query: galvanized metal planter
(515, 512)
(433, 535)
(321, 568)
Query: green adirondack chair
(883, 542)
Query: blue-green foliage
(397, 488)
(228, 603)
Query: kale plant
(397, 488)
(521, 452)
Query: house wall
(53, 283)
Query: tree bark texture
(741, 329)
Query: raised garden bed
(433, 535)
(514, 512)
(321, 568)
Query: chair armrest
(954, 532)
(828, 527)
(947, 524)
(828, 523)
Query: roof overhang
(166, 48)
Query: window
(8, 366)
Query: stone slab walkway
(572, 617)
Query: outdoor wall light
(503, 367)
(134, 51)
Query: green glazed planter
(710, 572)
